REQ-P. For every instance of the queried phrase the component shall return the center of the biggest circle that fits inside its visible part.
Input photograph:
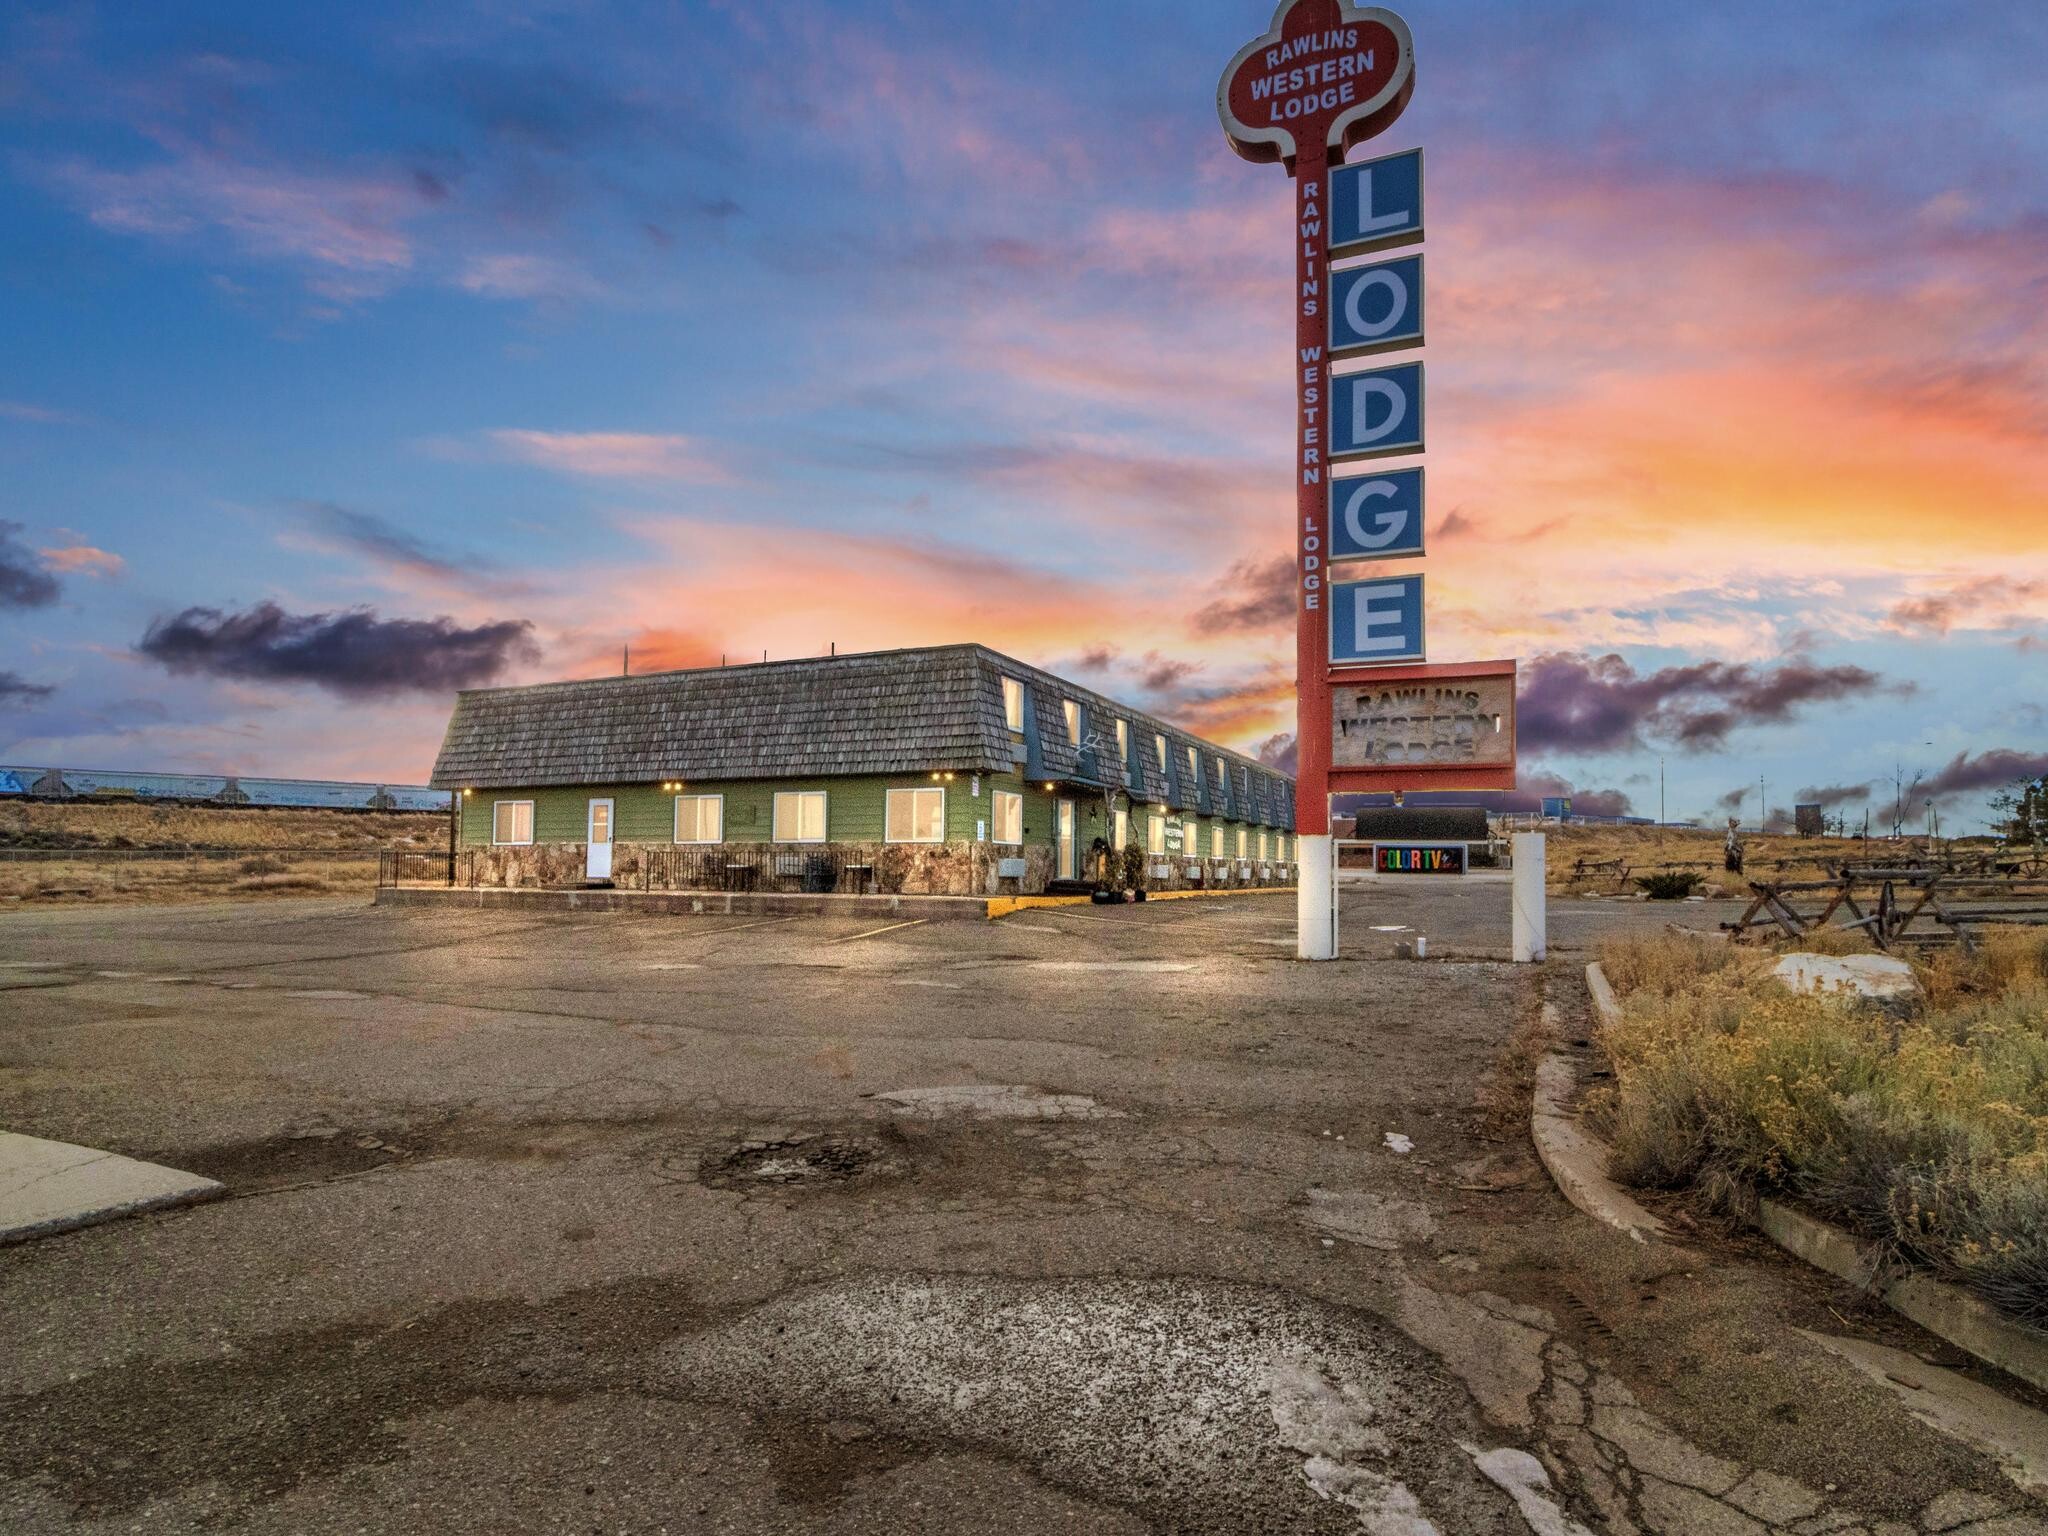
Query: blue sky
(348, 354)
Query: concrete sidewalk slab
(48, 1187)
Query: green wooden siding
(855, 810)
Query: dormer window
(1071, 708)
(1013, 704)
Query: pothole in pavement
(1214, 1406)
(798, 1161)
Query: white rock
(1876, 976)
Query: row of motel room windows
(1070, 710)
(913, 816)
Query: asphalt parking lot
(1087, 1219)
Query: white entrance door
(1069, 866)
(597, 864)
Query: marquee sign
(1454, 720)
(1325, 77)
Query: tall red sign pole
(1328, 75)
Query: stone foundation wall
(910, 869)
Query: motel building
(950, 770)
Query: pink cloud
(614, 455)
(84, 560)
(350, 223)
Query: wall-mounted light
(1048, 788)
(949, 778)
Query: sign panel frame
(1403, 434)
(1356, 228)
(1401, 331)
(1405, 593)
(1350, 543)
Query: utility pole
(1660, 798)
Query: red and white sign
(1329, 72)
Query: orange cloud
(84, 560)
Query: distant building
(947, 770)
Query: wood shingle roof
(885, 712)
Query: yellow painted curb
(1003, 906)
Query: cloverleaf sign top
(1328, 75)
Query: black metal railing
(758, 867)
(397, 866)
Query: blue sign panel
(1376, 517)
(1376, 204)
(1378, 621)
(1376, 413)
(1376, 308)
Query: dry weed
(1930, 1133)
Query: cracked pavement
(1083, 1221)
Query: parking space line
(891, 928)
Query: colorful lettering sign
(1418, 858)
(1376, 204)
(1376, 308)
(1376, 621)
(1376, 517)
(1376, 413)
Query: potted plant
(1134, 872)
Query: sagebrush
(1927, 1132)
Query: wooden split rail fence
(1899, 905)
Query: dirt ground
(114, 852)
(1082, 1220)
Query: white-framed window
(700, 818)
(1280, 846)
(1243, 841)
(512, 821)
(1159, 750)
(1009, 817)
(1120, 831)
(1194, 770)
(800, 816)
(1071, 708)
(1215, 842)
(1155, 835)
(1265, 843)
(1013, 704)
(1222, 776)
(1123, 741)
(915, 816)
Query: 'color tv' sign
(1418, 858)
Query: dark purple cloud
(17, 692)
(1582, 703)
(25, 582)
(1253, 595)
(354, 653)
(1987, 770)
(1828, 796)
(1281, 752)
(1585, 802)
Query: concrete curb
(1946, 1311)
(1576, 1162)
(48, 1187)
(723, 903)
(1003, 906)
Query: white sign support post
(1532, 917)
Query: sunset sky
(353, 353)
